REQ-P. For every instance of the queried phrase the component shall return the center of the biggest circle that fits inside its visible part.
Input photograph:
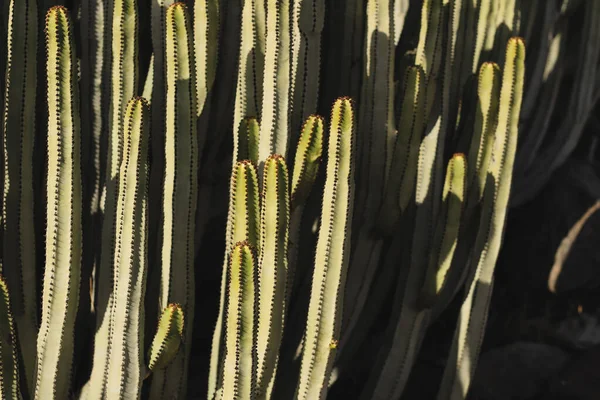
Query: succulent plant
(344, 238)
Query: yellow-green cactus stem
(446, 236)
(273, 269)
(247, 139)
(179, 192)
(206, 48)
(473, 314)
(486, 119)
(308, 19)
(62, 271)
(168, 337)
(126, 367)
(243, 225)
(123, 70)
(239, 375)
(332, 256)
(307, 160)
(274, 115)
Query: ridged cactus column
(179, 192)
(273, 269)
(331, 260)
(125, 369)
(60, 297)
(124, 80)
(19, 247)
(239, 374)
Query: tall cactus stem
(62, 272)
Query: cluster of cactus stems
(112, 163)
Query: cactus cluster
(346, 237)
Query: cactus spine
(17, 206)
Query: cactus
(180, 190)
(321, 294)
(273, 269)
(331, 259)
(62, 271)
(473, 315)
(239, 375)
(126, 337)
(17, 205)
(168, 337)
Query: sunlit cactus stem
(332, 256)
(243, 225)
(273, 270)
(62, 272)
(473, 315)
(180, 187)
(167, 339)
(239, 375)
(126, 367)
(122, 51)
